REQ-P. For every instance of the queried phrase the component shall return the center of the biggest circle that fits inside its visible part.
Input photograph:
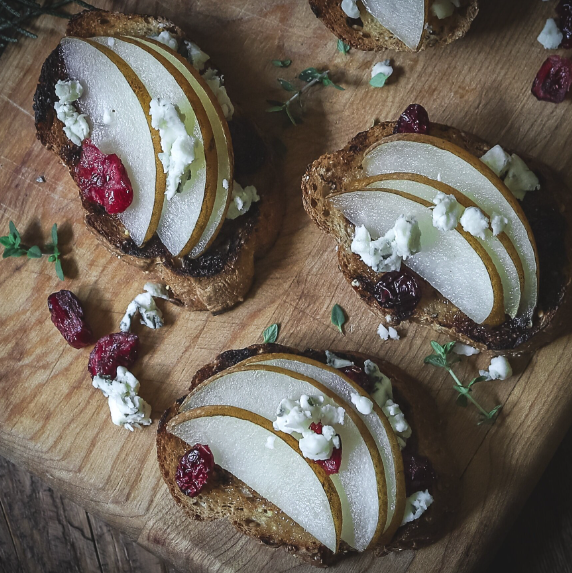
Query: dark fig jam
(103, 179)
(419, 472)
(357, 375)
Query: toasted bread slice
(549, 212)
(222, 276)
(227, 497)
(366, 33)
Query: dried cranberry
(333, 463)
(398, 290)
(564, 10)
(418, 472)
(194, 470)
(553, 80)
(67, 315)
(357, 375)
(414, 119)
(102, 179)
(111, 351)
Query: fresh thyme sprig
(13, 247)
(14, 13)
(311, 76)
(442, 357)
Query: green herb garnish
(14, 13)
(442, 358)
(270, 334)
(378, 81)
(343, 47)
(311, 76)
(338, 317)
(282, 63)
(13, 247)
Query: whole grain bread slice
(366, 33)
(548, 210)
(221, 277)
(226, 497)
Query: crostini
(438, 227)
(405, 25)
(172, 177)
(323, 454)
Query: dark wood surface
(42, 532)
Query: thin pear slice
(441, 160)
(454, 263)
(500, 248)
(185, 216)
(237, 439)
(222, 137)
(110, 84)
(360, 481)
(405, 19)
(376, 422)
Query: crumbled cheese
(242, 199)
(498, 223)
(335, 361)
(516, 174)
(499, 369)
(197, 58)
(520, 179)
(363, 404)
(40, 179)
(465, 349)
(387, 333)
(270, 442)
(168, 39)
(356, 283)
(416, 505)
(177, 145)
(144, 304)
(126, 407)
(68, 91)
(110, 42)
(447, 212)
(225, 184)
(386, 253)
(550, 37)
(350, 8)
(444, 8)
(108, 116)
(397, 420)
(157, 290)
(296, 416)
(497, 159)
(382, 390)
(215, 82)
(474, 222)
(382, 68)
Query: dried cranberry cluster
(67, 316)
(554, 78)
(398, 290)
(194, 470)
(414, 119)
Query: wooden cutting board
(53, 423)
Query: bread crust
(221, 277)
(227, 497)
(366, 33)
(549, 212)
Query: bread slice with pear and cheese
(220, 277)
(367, 33)
(548, 212)
(227, 497)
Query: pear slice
(110, 84)
(405, 19)
(360, 481)
(237, 438)
(443, 161)
(376, 422)
(500, 248)
(454, 263)
(222, 137)
(185, 216)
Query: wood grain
(53, 423)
